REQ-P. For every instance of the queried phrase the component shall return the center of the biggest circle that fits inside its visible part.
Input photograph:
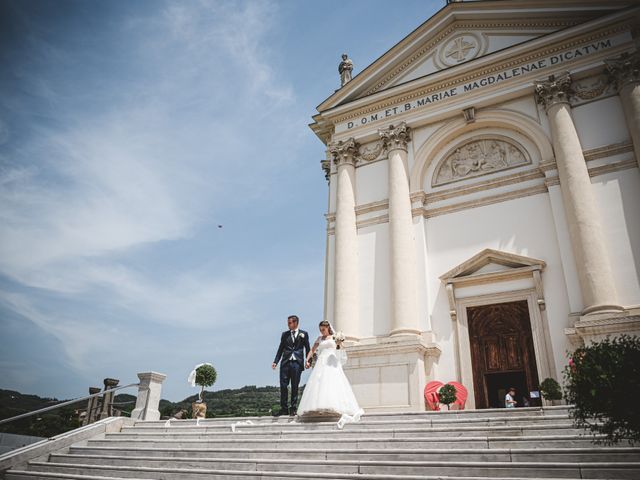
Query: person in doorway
(509, 398)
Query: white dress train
(328, 390)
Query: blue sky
(128, 132)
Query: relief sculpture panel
(479, 157)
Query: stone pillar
(625, 71)
(345, 299)
(92, 406)
(585, 230)
(107, 398)
(404, 302)
(148, 401)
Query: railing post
(107, 398)
(92, 406)
(149, 392)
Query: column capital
(625, 69)
(344, 151)
(557, 89)
(396, 136)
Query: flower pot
(199, 409)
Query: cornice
(524, 176)
(425, 199)
(395, 345)
(480, 202)
(522, 13)
(612, 167)
(470, 71)
(607, 151)
(491, 277)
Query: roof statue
(345, 68)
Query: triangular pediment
(462, 32)
(490, 261)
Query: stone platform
(531, 443)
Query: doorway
(502, 352)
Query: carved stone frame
(519, 267)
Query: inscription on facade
(526, 69)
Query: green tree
(550, 389)
(206, 376)
(602, 381)
(447, 395)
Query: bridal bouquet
(339, 338)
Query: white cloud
(237, 30)
(153, 166)
(79, 339)
(132, 176)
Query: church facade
(484, 198)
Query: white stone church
(484, 198)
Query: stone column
(149, 392)
(625, 71)
(345, 299)
(404, 302)
(585, 230)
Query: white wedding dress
(328, 390)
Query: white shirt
(507, 401)
(295, 335)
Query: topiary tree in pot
(550, 390)
(203, 375)
(447, 395)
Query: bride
(328, 391)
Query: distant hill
(241, 402)
(48, 424)
(247, 401)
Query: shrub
(602, 381)
(550, 389)
(206, 376)
(447, 395)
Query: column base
(602, 308)
(388, 374)
(594, 327)
(405, 331)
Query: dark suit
(291, 368)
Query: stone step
(353, 465)
(184, 425)
(229, 475)
(524, 441)
(591, 454)
(395, 417)
(350, 434)
(197, 469)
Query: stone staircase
(470, 445)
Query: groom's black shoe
(279, 413)
(293, 413)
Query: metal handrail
(64, 404)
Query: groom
(293, 350)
